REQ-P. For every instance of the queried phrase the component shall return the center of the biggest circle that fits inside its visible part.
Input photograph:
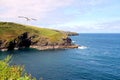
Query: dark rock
(1, 42)
(24, 43)
(23, 36)
(67, 41)
(24, 40)
(21, 41)
(11, 45)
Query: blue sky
(84, 16)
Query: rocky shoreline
(47, 47)
(53, 47)
(26, 40)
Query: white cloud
(55, 13)
(39, 8)
(31, 8)
(43, 10)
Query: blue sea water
(99, 61)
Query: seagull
(28, 19)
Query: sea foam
(82, 47)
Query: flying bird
(28, 19)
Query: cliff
(17, 36)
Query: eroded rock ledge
(26, 40)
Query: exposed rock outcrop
(1, 43)
(42, 43)
(67, 43)
(22, 41)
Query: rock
(11, 45)
(2, 44)
(21, 41)
(24, 40)
(42, 43)
(67, 41)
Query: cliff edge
(17, 36)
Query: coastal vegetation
(16, 36)
(10, 30)
(12, 72)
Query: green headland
(15, 36)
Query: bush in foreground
(12, 72)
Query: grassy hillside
(10, 30)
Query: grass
(10, 30)
(13, 72)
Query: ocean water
(98, 59)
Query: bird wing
(28, 19)
(24, 17)
(33, 19)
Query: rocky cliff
(17, 36)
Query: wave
(73, 41)
(82, 47)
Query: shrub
(12, 72)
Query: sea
(98, 58)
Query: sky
(83, 16)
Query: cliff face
(26, 40)
(23, 37)
(21, 41)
